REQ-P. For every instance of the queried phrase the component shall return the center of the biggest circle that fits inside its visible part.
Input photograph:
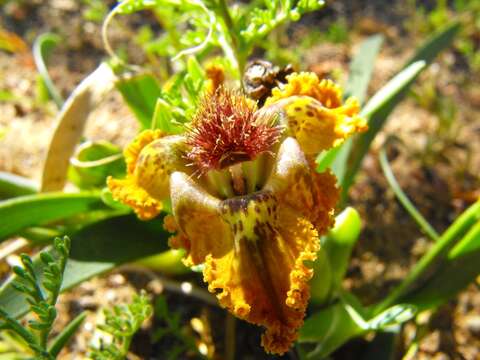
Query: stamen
(227, 130)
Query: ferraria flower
(247, 202)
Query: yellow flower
(246, 201)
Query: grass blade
(404, 200)
(42, 48)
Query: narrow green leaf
(436, 43)
(141, 94)
(360, 73)
(361, 68)
(453, 275)
(433, 262)
(42, 48)
(29, 210)
(381, 105)
(377, 111)
(95, 249)
(12, 185)
(62, 339)
(404, 200)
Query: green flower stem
(404, 200)
(235, 40)
(468, 218)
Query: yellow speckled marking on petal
(308, 84)
(317, 127)
(151, 157)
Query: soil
(438, 170)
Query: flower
(246, 201)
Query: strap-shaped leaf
(21, 212)
(70, 124)
(96, 249)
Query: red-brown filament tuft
(227, 129)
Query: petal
(294, 182)
(198, 217)
(317, 127)
(157, 161)
(150, 159)
(128, 192)
(263, 279)
(308, 84)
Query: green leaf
(360, 73)
(425, 272)
(29, 210)
(361, 68)
(95, 249)
(164, 119)
(339, 243)
(436, 43)
(404, 200)
(12, 185)
(453, 275)
(141, 93)
(382, 104)
(93, 162)
(42, 48)
(62, 339)
(377, 111)
(330, 328)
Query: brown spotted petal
(299, 187)
(197, 214)
(263, 278)
(150, 159)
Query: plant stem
(235, 41)
(230, 323)
(404, 200)
(439, 249)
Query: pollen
(227, 129)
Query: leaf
(377, 111)
(460, 269)
(95, 249)
(361, 68)
(330, 328)
(379, 108)
(339, 243)
(360, 73)
(62, 339)
(70, 124)
(436, 43)
(395, 315)
(141, 93)
(42, 48)
(12, 185)
(93, 162)
(25, 211)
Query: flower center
(231, 141)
